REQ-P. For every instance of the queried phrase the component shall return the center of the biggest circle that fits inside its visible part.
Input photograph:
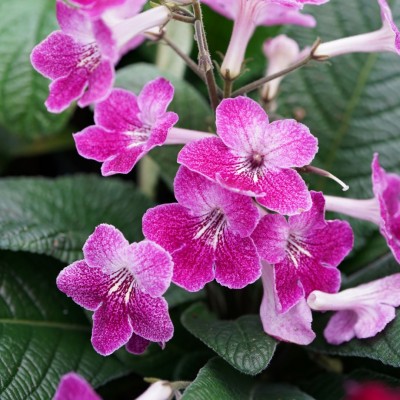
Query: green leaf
(43, 335)
(23, 24)
(351, 103)
(56, 216)
(242, 343)
(216, 380)
(176, 296)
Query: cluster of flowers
(243, 212)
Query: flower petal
(237, 263)
(151, 266)
(84, 284)
(340, 327)
(160, 129)
(149, 317)
(242, 124)
(123, 162)
(293, 326)
(73, 386)
(270, 238)
(106, 249)
(137, 344)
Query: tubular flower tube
(247, 15)
(254, 157)
(207, 232)
(385, 39)
(362, 311)
(383, 209)
(305, 251)
(80, 58)
(123, 284)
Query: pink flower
(305, 251)
(248, 14)
(207, 233)
(80, 58)
(123, 285)
(73, 387)
(383, 209)
(385, 39)
(95, 8)
(363, 311)
(371, 391)
(292, 326)
(255, 157)
(127, 127)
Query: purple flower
(305, 251)
(383, 209)
(95, 8)
(292, 326)
(207, 233)
(80, 58)
(363, 311)
(73, 387)
(127, 127)
(123, 285)
(247, 15)
(385, 39)
(254, 157)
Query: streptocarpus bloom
(383, 209)
(127, 127)
(123, 285)
(95, 8)
(255, 157)
(73, 387)
(371, 391)
(292, 326)
(80, 57)
(385, 39)
(247, 15)
(363, 311)
(305, 251)
(207, 233)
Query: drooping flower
(363, 311)
(385, 39)
(370, 391)
(123, 285)
(73, 387)
(292, 326)
(255, 157)
(127, 127)
(207, 233)
(305, 251)
(247, 15)
(80, 57)
(383, 209)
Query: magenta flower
(385, 39)
(255, 157)
(207, 233)
(363, 311)
(127, 127)
(292, 326)
(305, 251)
(247, 15)
(383, 209)
(73, 387)
(95, 8)
(123, 285)
(80, 58)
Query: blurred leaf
(55, 217)
(23, 91)
(43, 335)
(351, 103)
(176, 296)
(217, 380)
(242, 343)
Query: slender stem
(258, 83)
(321, 172)
(183, 18)
(228, 85)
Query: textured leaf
(55, 217)
(242, 343)
(23, 24)
(351, 102)
(216, 380)
(43, 335)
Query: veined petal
(159, 131)
(227, 8)
(149, 317)
(105, 41)
(137, 344)
(87, 286)
(73, 386)
(123, 162)
(106, 249)
(276, 14)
